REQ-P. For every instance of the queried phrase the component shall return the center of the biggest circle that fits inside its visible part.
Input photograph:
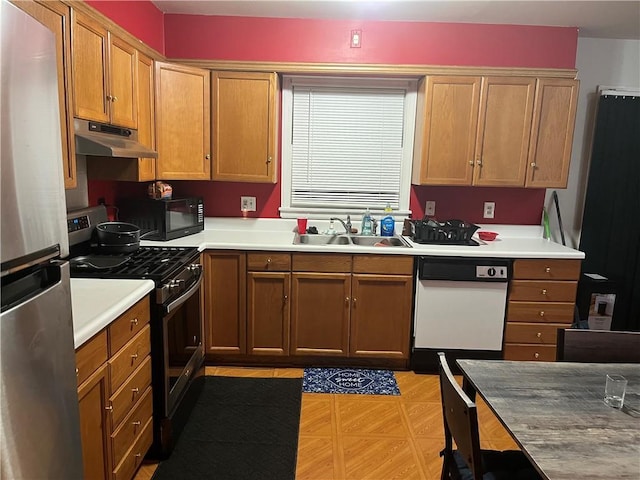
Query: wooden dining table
(556, 413)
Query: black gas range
(177, 331)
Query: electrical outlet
(489, 209)
(248, 204)
(430, 208)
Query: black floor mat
(241, 428)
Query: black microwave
(163, 219)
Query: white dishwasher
(460, 308)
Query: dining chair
(597, 346)
(468, 461)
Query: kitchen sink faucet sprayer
(347, 225)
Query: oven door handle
(185, 296)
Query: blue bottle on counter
(367, 223)
(388, 223)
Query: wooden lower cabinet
(380, 315)
(320, 311)
(541, 300)
(292, 307)
(115, 396)
(225, 302)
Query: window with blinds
(347, 144)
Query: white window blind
(345, 146)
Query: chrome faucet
(347, 225)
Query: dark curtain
(611, 222)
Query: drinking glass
(614, 390)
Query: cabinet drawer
(546, 269)
(323, 263)
(131, 427)
(542, 353)
(388, 264)
(538, 333)
(126, 396)
(133, 458)
(90, 356)
(543, 291)
(545, 312)
(268, 262)
(129, 358)
(128, 325)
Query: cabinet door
(182, 123)
(320, 314)
(380, 316)
(446, 129)
(122, 89)
(554, 117)
(56, 17)
(245, 129)
(225, 302)
(502, 146)
(94, 425)
(268, 313)
(146, 117)
(90, 68)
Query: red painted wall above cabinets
(142, 19)
(309, 40)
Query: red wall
(140, 18)
(327, 41)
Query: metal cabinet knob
(471, 162)
(547, 270)
(533, 164)
(77, 372)
(542, 313)
(268, 260)
(114, 99)
(346, 300)
(135, 390)
(286, 297)
(134, 321)
(109, 97)
(536, 355)
(354, 301)
(269, 159)
(207, 156)
(539, 335)
(544, 291)
(137, 423)
(134, 356)
(109, 408)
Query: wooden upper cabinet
(446, 125)
(504, 128)
(554, 117)
(182, 122)
(146, 117)
(57, 17)
(103, 74)
(245, 128)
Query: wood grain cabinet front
(541, 300)
(104, 80)
(511, 131)
(114, 393)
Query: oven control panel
(488, 271)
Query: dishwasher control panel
(488, 271)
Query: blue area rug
(349, 380)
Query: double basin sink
(344, 239)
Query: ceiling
(598, 19)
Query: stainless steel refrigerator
(39, 416)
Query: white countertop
(514, 241)
(98, 302)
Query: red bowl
(487, 235)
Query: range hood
(102, 140)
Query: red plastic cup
(302, 225)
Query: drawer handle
(134, 321)
(547, 269)
(135, 390)
(542, 313)
(536, 355)
(544, 291)
(539, 335)
(137, 423)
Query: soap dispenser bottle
(387, 224)
(367, 227)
